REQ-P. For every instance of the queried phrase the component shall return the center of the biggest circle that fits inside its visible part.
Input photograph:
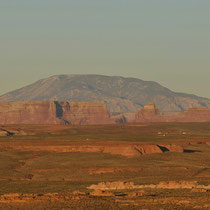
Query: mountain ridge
(121, 94)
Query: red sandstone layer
(53, 112)
(87, 113)
(150, 113)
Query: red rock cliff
(84, 112)
(33, 112)
(53, 112)
(198, 114)
(151, 114)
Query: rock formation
(119, 118)
(4, 133)
(127, 117)
(150, 113)
(198, 114)
(87, 113)
(39, 112)
(120, 94)
(123, 185)
(80, 113)
(125, 150)
(53, 112)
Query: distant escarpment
(53, 112)
(120, 94)
(89, 113)
(150, 113)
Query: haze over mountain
(119, 93)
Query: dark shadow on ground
(164, 149)
(191, 151)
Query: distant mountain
(119, 93)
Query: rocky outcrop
(171, 148)
(140, 149)
(4, 133)
(127, 117)
(148, 149)
(150, 113)
(118, 185)
(53, 112)
(126, 150)
(122, 185)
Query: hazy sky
(167, 41)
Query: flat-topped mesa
(196, 114)
(31, 112)
(53, 112)
(150, 113)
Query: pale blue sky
(167, 41)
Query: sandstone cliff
(32, 112)
(83, 112)
(150, 113)
(199, 114)
(53, 112)
(87, 113)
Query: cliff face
(53, 112)
(151, 114)
(83, 112)
(38, 112)
(87, 113)
(199, 114)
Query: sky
(167, 41)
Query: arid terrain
(120, 166)
(120, 94)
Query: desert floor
(128, 166)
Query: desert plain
(120, 166)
